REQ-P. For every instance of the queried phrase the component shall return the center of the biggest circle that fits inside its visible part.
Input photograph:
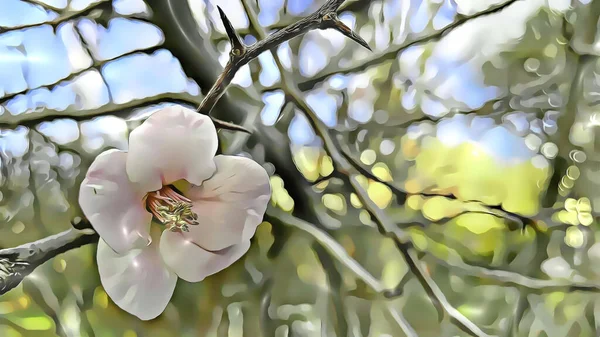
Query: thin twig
(398, 316)
(66, 15)
(401, 238)
(96, 65)
(392, 54)
(331, 246)
(43, 5)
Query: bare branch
(325, 17)
(121, 110)
(66, 16)
(97, 65)
(332, 21)
(508, 278)
(43, 5)
(18, 262)
(397, 315)
(350, 173)
(223, 125)
(392, 54)
(330, 245)
(401, 194)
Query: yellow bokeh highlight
(571, 204)
(392, 273)
(368, 157)
(470, 173)
(59, 265)
(554, 298)
(419, 239)
(409, 147)
(364, 217)
(584, 205)
(585, 219)
(439, 207)
(307, 161)
(478, 223)
(481, 234)
(355, 201)
(279, 195)
(326, 166)
(264, 237)
(37, 323)
(380, 194)
(334, 202)
(568, 217)
(24, 301)
(415, 202)
(382, 172)
(129, 333)
(574, 237)
(100, 298)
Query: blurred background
(476, 124)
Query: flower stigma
(172, 209)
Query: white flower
(200, 227)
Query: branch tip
(332, 21)
(237, 46)
(220, 124)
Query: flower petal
(113, 205)
(231, 204)
(174, 143)
(138, 282)
(193, 263)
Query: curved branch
(350, 174)
(67, 15)
(392, 54)
(330, 245)
(18, 262)
(325, 17)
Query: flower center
(172, 209)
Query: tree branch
(399, 318)
(324, 18)
(330, 245)
(18, 262)
(342, 165)
(43, 5)
(392, 54)
(97, 65)
(66, 15)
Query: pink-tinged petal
(138, 282)
(114, 205)
(192, 262)
(231, 204)
(174, 143)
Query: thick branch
(18, 262)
